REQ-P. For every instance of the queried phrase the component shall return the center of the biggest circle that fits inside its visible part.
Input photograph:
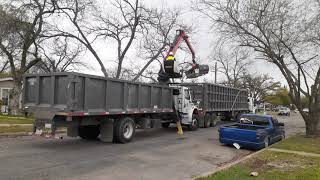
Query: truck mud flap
(106, 131)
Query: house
(6, 84)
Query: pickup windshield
(254, 120)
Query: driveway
(154, 154)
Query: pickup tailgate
(238, 135)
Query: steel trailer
(218, 101)
(92, 105)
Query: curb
(10, 135)
(10, 125)
(206, 174)
(20, 134)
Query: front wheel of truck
(194, 124)
(89, 132)
(124, 130)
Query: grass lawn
(15, 120)
(273, 166)
(15, 129)
(276, 165)
(300, 143)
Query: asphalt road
(154, 154)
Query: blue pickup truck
(252, 131)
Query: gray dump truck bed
(218, 98)
(82, 93)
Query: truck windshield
(254, 120)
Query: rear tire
(89, 132)
(207, 120)
(238, 116)
(214, 120)
(124, 130)
(165, 124)
(227, 116)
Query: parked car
(306, 110)
(252, 131)
(284, 111)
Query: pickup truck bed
(241, 126)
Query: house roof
(6, 79)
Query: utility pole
(215, 72)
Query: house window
(5, 92)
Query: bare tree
(121, 26)
(21, 26)
(276, 30)
(75, 12)
(233, 64)
(158, 31)
(4, 64)
(259, 85)
(60, 55)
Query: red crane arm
(178, 40)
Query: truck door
(183, 100)
(187, 102)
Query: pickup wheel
(194, 124)
(266, 142)
(207, 120)
(124, 130)
(89, 132)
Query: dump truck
(111, 109)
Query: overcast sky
(203, 41)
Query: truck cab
(185, 107)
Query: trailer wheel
(207, 120)
(238, 116)
(89, 132)
(194, 124)
(124, 130)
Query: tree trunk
(15, 97)
(312, 124)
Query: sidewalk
(302, 153)
(9, 125)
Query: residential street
(154, 154)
